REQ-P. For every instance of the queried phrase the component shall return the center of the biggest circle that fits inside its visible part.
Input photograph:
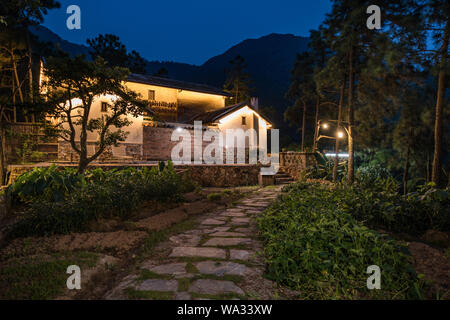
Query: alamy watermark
(228, 147)
(74, 20)
(374, 20)
(74, 281)
(374, 281)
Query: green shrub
(323, 168)
(380, 205)
(214, 196)
(46, 184)
(316, 247)
(96, 194)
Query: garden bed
(319, 241)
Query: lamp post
(325, 125)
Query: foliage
(63, 201)
(214, 196)
(323, 168)
(40, 278)
(110, 48)
(315, 246)
(378, 204)
(76, 77)
(238, 81)
(45, 184)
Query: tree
(302, 90)
(162, 73)
(15, 47)
(78, 78)
(111, 49)
(416, 22)
(238, 82)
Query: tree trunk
(16, 77)
(3, 161)
(30, 66)
(303, 127)
(336, 157)
(316, 126)
(437, 158)
(405, 172)
(351, 120)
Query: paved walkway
(219, 259)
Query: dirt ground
(434, 264)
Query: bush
(96, 194)
(380, 205)
(214, 196)
(46, 184)
(314, 246)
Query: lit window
(244, 121)
(151, 95)
(104, 107)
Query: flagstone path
(219, 259)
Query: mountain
(269, 58)
(45, 35)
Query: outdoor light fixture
(340, 155)
(325, 126)
(340, 134)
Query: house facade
(176, 105)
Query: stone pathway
(219, 259)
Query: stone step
(283, 180)
(214, 287)
(198, 252)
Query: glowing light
(325, 126)
(179, 129)
(340, 155)
(340, 134)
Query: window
(151, 95)
(104, 107)
(244, 121)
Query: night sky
(187, 31)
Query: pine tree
(238, 82)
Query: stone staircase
(283, 178)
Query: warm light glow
(179, 129)
(340, 134)
(244, 111)
(325, 126)
(340, 155)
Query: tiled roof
(176, 84)
(214, 116)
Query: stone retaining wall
(206, 175)
(294, 163)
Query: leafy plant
(63, 201)
(315, 246)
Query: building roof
(176, 84)
(216, 115)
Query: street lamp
(340, 134)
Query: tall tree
(110, 48)
(77, 78)
(302, 90)
(238, 81)
(416, 22)
(15, 46)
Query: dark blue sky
(190, 31)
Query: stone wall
(205, 175)
(128, 150)
(294, 163)
(157, 144)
